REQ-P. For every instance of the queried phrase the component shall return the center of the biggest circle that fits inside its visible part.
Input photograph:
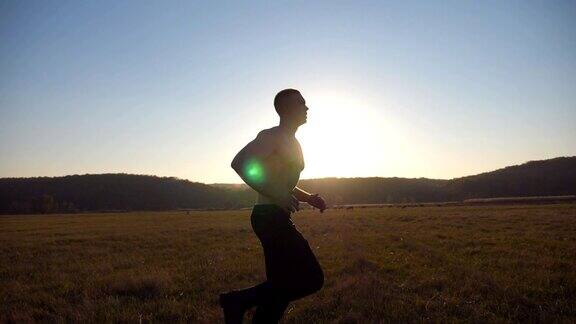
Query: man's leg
(270, 312)
(236, 302)
(291, 266)
(292, 270)
(252, 296)
(305, 273)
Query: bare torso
(285, 164)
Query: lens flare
(254, 171)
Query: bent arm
(300, 194)
(250, 165)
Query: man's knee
(314, 282)
(318, 281)
(315, 276)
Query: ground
(437, 264)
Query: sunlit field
(439, 264)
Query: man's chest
(289, 153)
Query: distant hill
(536, 178)
(231, 186)
(100, 192)
(376, 190)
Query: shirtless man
(271, 165)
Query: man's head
(291, 106)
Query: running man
(271, 165)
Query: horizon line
(241, 183)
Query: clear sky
(436, 89)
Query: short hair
(282, 95)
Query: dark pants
(292, 270)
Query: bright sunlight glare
(349, 136)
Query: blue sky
(435, 89)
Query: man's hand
(315, 200)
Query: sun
(345, 136)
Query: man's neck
(288, 128)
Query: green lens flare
(254, 171)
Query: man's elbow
(235, 164)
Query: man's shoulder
(269, 132)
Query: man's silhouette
(271, 165)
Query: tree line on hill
(112, 192)
(536, 178)
(128, 192)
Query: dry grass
(437, 264)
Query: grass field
(437, 264)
